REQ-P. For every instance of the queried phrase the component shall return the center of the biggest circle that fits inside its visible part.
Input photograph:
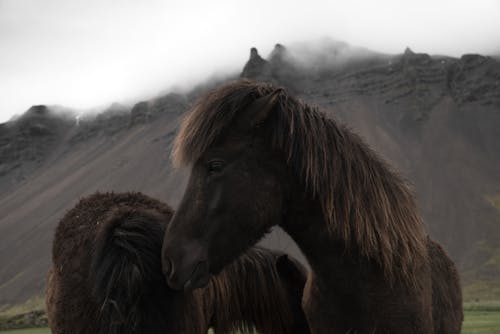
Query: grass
(482, 306)
(28, 331)
(26, 315)
(42, 331)
(32, 304)
(481, 322)
(480, 318)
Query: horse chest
(322, 313)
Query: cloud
(87, 53)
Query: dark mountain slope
(107, 153)
(436, 118)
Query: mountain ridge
(436, 118)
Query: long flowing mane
(364, 201)
(248, 289)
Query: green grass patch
(480, 318)
(42, 331)
(481, 322)
(485, 306)
(28, 331)
(36, 303)
(29, 314)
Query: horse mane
(364, 202)
(126, 282)
(249, 290)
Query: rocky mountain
(435, 118)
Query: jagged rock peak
(254, 53)
(38, 110)
(256, 66)
(278, 55)
(44, 112)
(410, 57)
(408, 51)
(278, 51)
(40, 120)
(36, 113)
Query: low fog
(89, 54)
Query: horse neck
(307, 227)
(373, 217)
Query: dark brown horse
(259, 158)
(106, 278)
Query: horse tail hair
(125, 272)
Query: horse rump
(447, 310)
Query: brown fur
(234, 299)
(381, 211)
(260, 157)
(447, 310)
(82, 296)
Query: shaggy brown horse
(106, 278)
(259, 158)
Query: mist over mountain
(436, 118)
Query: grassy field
(481, 322)
(479, 319)
(28, 331)
(482, 318)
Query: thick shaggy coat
(260, 157)
(106, 278)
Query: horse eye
(215, 166)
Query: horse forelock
(363, 200)
(211, 115)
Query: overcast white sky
(83, 54)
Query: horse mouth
(199, 277)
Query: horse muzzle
(185, 268)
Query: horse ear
(258, 111)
